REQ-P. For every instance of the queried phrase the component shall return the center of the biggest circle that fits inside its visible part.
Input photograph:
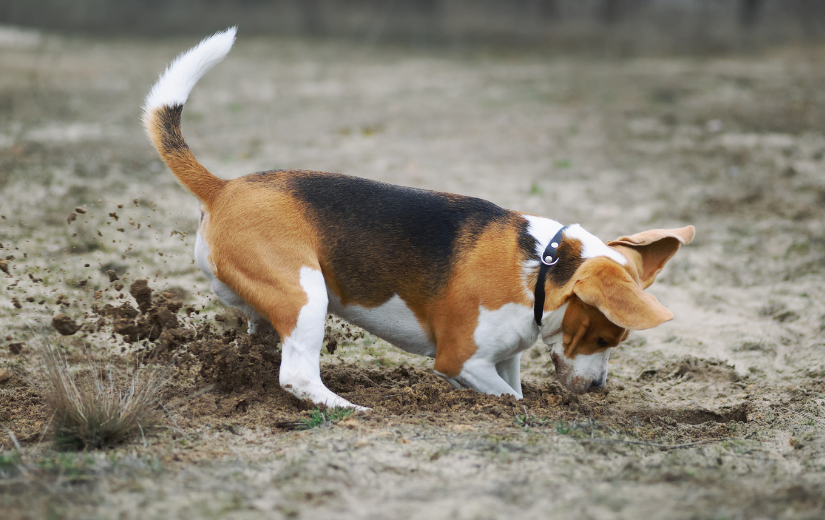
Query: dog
(455, 278)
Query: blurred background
(623, 26)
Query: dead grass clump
(99, 409)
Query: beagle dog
(455, 278)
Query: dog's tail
(163, 107)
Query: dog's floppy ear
(607, 286)
(650, 250)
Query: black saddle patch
(381, 239)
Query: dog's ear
(606, 285)
(650, 250)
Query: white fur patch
(592, 246)
(202, 256)
(392, 321)
(510, 371)
(482, 376)
(504, 332)
(542, 229)
(177, 82)
(501, 335)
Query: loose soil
(717, 414)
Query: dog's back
(378, 239)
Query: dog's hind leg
(301, 355)
(298, 312)
(274, 270)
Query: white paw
(321, 395)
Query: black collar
(548, 259)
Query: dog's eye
(601, 342)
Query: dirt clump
(65, 325)
(142, 294)
(242, 371)
(156, 315)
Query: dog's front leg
(510, 371)
(482, 376)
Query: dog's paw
(320, 395)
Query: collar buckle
(549, 258)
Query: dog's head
(605, 300)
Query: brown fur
(489, 274)
(260, 258)
(163, 127)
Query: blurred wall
(632, 26)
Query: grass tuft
(563, 428)
(99, 410)
(529, 420)
(319, 416)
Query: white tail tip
(180, 77)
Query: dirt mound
(248, 365)
(237, 362)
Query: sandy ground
(732, 388)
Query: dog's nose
(596, 385)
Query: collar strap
(548, 259)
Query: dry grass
(99, 409)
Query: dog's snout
(597, 385)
